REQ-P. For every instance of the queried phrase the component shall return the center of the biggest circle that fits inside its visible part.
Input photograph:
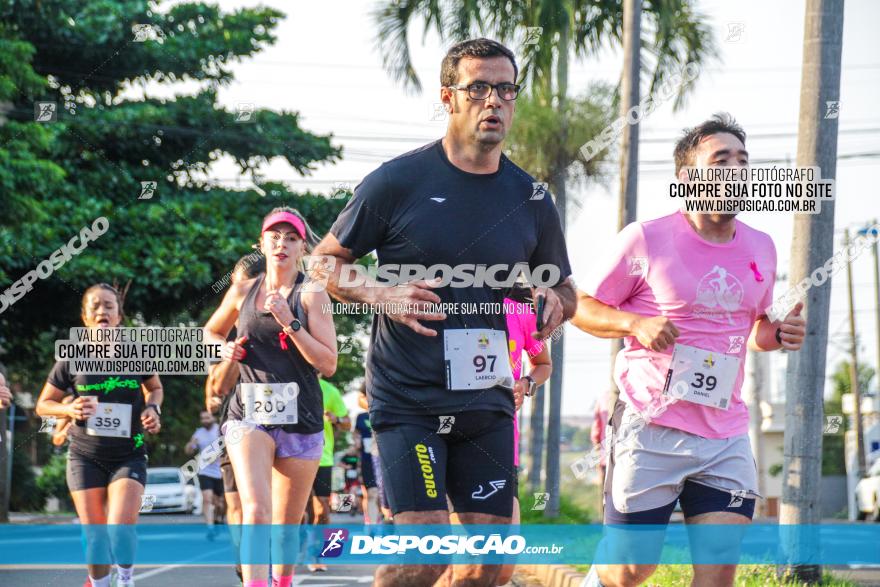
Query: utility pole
(756, 377)
(812, 244)
(854, 369)
(876, 298)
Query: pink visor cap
(287, 217)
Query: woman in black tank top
(274, 432)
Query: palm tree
(674, 35)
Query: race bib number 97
(476, 359)
(270, 404)
(709, 376)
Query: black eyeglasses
(482, 90)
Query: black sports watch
(295, 325)
(532, 386)
(155, 407)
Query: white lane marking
(166, 568)
(301, 580)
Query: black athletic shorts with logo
(426, 458)
(88, 473)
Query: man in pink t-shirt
(688, 294)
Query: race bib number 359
(709, 376)
(476, 359)
(112, 420)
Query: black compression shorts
(89, 473)
(426, 458)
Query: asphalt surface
(196, 575)
(189, 576)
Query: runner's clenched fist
(793, 329)
(656, 333)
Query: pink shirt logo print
(719, 295)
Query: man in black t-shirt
(439, 380)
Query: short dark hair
(721, 122)
(482, 48)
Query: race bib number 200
(476, 359)
(709, 376)
(270, 404)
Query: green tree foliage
(534, 140)
(52, 481)
(110, 136)
(24, 494)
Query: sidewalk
(40, 518)
(566, 576)
(867, 577)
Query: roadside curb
(554, 575)
(40, 518)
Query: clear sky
(325, 66)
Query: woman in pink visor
(275, 431)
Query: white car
(868, 494)
(168, 491)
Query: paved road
(224, 575)
(201, 576)
(189, 576)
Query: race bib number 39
(709, 375)
(270, 404)
(110, 420)
(476, 359)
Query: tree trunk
(557, 347)
(536, 440)
(629, 149)
(812, 244)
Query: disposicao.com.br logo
(477, 544)
(334, 542)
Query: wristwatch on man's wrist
(295, 325)
(532, 386)
(155, 407)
